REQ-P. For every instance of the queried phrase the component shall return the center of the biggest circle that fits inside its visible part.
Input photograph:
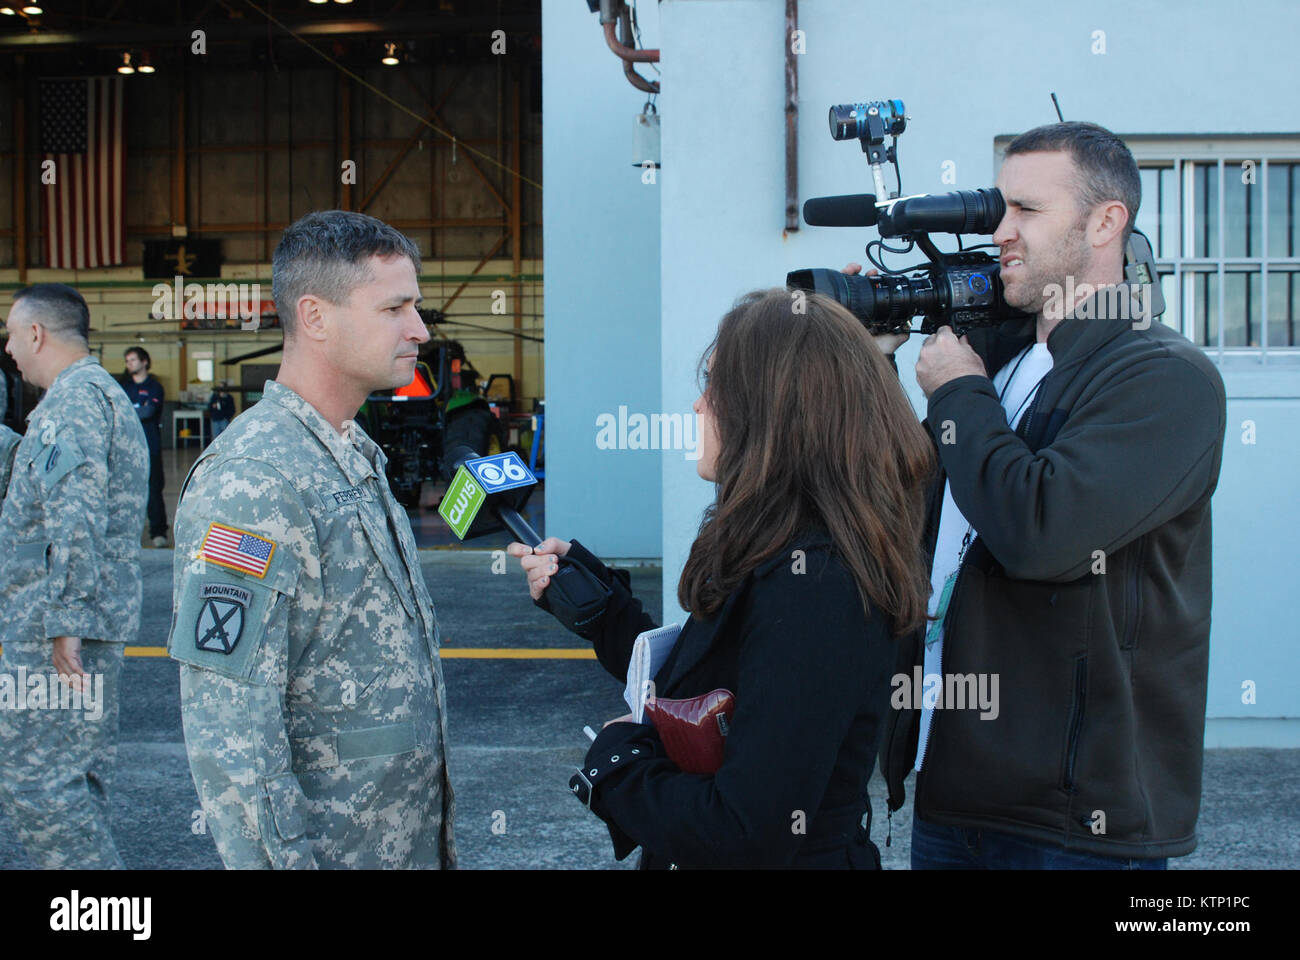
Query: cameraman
(1068, 533)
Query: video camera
(963, 289)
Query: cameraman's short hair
(324, 253)
(1106, 168)
(60, 309)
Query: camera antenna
(1056, 103)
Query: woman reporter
(805, 572)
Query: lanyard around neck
(1007, 386)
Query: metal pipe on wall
(616, 12)
(791, 118)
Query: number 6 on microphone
(502, 471)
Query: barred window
(1224, 225)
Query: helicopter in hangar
(447, 403)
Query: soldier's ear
(311, 316)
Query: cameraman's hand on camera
(887, 342)
(539, 563)
(943, 357)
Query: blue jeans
(938, 847)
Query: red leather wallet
(694, 730)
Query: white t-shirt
(1026, 372)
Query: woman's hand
(540, 562)
(887, 342)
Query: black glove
(579, 591)
(615, 750)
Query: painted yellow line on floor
(454, 653)
(519, 653)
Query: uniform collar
(62, 377)
(87, 361)
(358, 457)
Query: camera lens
(882, 303)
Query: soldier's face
(21, 342)
(380, 330)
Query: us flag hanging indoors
(81, 131)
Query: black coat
(811, 675)
(221, 406)
(1102, 667)
(147, 398)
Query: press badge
(935, 629)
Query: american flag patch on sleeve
(237, 549)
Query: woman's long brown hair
(813, 430)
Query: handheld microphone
(501, 483)
(850, 210)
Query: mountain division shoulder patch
(221, 618)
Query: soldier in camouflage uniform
(8, 448)
(70, 582)
(311, 687)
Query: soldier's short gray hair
(325, 253)
(60, 309)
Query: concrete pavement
(515, 728)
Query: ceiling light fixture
(126, 67)
(390, 55)
(32, 10)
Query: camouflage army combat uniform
(8, 447)
(311, 687)
(70, 529)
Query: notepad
(649, 652)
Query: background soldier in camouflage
(8, 447)
(70, 582)
(311, 687)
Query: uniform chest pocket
(354, 533)
(386, 550)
